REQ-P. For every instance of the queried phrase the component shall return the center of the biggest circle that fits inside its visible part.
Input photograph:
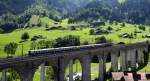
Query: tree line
(131, 11)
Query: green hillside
(82, 32)
(48, 22)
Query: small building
(125, 35)
(72, 28)
(125, 76)
(36, 37)
(147, 36)
(56, 23)
(95, 24)
(51, 28)
(98, 32)
(117, 76)
(129, 77)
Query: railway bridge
(129, 55)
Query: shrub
(115, 22)
(141, 27)
(25, 36)
(69, 40)
(92, 32)
(100, 40)
(41, 44)
(109, 28)
(123, 24)
(85, 43)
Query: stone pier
(140, 58)
(133, 58)
(129, 57)
(71, 70)
(102, 69)
(114, 61)
(4, 75)
(123, 61)
(27, 75)
(86, 69)
(61, 69)
(42, 75)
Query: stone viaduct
(131, 55)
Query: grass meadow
(15, 36)
(53, 34)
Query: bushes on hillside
(41, 44)
(109, 28)
(100, 40)
(25, 36)
(10, 48)
(8, 27)
(141, 27)
(69, 40)
(98, 31)
(92, 31)
(44, 44)
(85, 42)
(123, 24)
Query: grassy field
(146, 69)
(15, 36)
(84, 35)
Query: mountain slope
(132, 11)
(19, 6)
(18, 12)
(15, 6)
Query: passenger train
(65, 49)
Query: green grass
(50, 22)
(84, 35)
(37, 76)
(47, 21)
(34, 20)
(146, 68)
(51, 35)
